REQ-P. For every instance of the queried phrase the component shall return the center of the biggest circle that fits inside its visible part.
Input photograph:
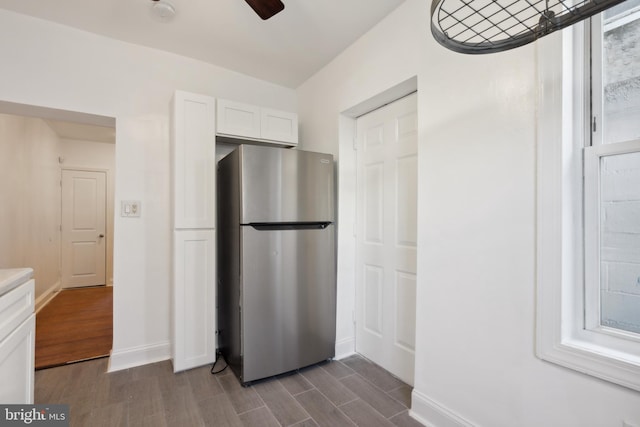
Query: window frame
(613, 338)
(563, 124)
(595, 149)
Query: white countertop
(11, 278)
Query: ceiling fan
(164, 11)
(266, 8)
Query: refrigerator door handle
(269, 226)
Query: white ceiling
(286, 49)
(83, 132)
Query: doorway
(36, 145)
(386, 230)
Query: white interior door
(83, 228)
(387, 235)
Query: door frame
(347, 183)
(109, 217)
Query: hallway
(76, 325)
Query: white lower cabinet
(17, 345)
(16, 364)
(194, 295)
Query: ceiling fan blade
(266, 8)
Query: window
(612, 177)
(589, 197)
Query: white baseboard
(138, 356)
(345, 348)
(433, 414)
(46, 297)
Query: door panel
(373, 299)
(194, 298)
(84, 258)
(278, 125)
(193, 147)
(374, 199)
(405, 333)
(387, 236)
(237, 119)
(406, 202)
(83, 228)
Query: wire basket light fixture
(486, 26)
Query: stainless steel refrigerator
(276, 260)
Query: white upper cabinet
(279, 125)
(193, 144)
(237, 119)
(245, 121)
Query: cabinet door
(194, 161)
(194, 298)
(17, 357)
(279, 125)
(238, 120)
(15, 307)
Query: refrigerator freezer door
(288, 299)
(283, 185)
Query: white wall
(55, 66)
(475, 359)
(349, 81)
(30, 199)
(95, 155)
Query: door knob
(101, 236)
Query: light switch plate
(130, 208)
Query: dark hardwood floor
(350, 392)
(76, 325)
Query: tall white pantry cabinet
(193, 149)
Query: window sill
(594, 360)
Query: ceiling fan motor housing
(162, 10)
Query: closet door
(387, 237)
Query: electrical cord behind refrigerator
(218, 354)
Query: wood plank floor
(76, 325)
(350, 392)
